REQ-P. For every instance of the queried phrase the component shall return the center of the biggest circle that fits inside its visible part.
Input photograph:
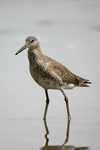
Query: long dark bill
(21, 49)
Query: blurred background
(69, 32)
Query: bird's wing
(61, 72)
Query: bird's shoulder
(58, 70)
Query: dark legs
(47, 103)
(47, 139)
(67, 105)
(67, 133)
(47, 132)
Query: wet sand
(69, 32)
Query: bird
(50, 74)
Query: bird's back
(50, 74)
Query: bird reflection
(60, 147)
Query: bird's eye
(32, 41)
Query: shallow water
(32, 133)
(69, 32)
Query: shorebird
(50, 74)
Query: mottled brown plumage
(49, 73)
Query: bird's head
(31, 43)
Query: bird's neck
(34, 55)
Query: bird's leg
(67, 105)
(47, 103)
(67, 133)
(47, 132)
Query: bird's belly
(47, 81)
(43, 80)
(46, 84)
(68, 86)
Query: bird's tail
(85, 82)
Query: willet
(49, 73)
